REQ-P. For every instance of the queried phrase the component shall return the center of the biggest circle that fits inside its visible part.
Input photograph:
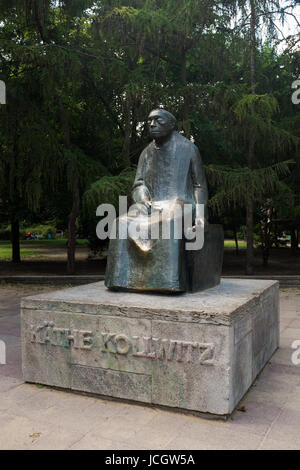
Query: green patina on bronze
(170, 173)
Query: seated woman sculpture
(170, 176)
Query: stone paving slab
(34, 417)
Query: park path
(33, 417)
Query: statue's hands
(141, 196)
(147, 203)
(201, 216)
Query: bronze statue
(170, 175)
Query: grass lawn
(231, 244)
(54, 241)
(45, 242)
(36, 248)
(6, 253)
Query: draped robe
(170, 174)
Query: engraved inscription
(122, 344)
(146, 347)
(159, 349)
(48, 333)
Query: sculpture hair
(169, 115)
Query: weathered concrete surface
(198, 352)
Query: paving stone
(23, 392)
(92, 441)
(284, 354)
(19, 432)
(78, 414)
(295, 323)
(7, 383)
(9, 327)
(271, 444)
(255, 417)
(58, 439)
(286, 427)
(291, 332)
(219, 438)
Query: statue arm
(140, 192)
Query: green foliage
(108, 189)
(236, 184)
(5, 233)
(83, 75)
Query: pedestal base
(198, 352)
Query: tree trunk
(265, 257)
(128, 127)
(72, 229)
(14, 201)
(294, 240)
(186, 107)
(250, 202)
(15, 241)
(76, 198)
(276, 234)
(236, 241)
(134, 137)
(250, 238)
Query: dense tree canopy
(82, 75)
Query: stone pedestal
(198, 352)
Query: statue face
(160, 125)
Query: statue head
(161, 123)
